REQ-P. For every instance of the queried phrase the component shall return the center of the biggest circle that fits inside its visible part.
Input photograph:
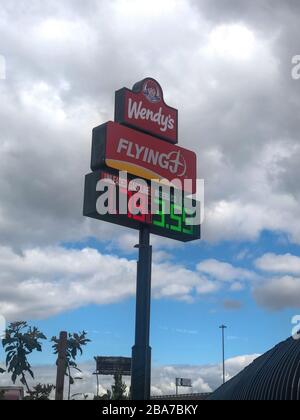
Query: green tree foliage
(19, 342)
(40, 392)
(105, 397)
(119, 389)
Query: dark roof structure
(275, 376)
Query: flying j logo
(144, 109)
(124, 149)
(174, 161)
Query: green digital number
(161, 213)
(176, 218)
(189, 230)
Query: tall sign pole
(141, 352)
(142, 142)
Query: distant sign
(143, 108)
(11, 393)
(113, 366)
(185, 383)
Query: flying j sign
(122, 148)
(144, 109)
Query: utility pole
(223, 328)
(141, 352)
(61, 366)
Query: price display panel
(170, 219)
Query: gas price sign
(174, 217)
(142, 179)
(142, 142)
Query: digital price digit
(174, 222)
(143, 215)
(161, 213)
(189, 229)
(176, 218)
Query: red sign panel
(144, 109)
(124, 149)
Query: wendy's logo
(152, 91)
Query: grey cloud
(241, 116)
(43, 282)
(279, 294)
(232, 305)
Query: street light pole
(223, 328)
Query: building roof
(273, 376)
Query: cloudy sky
(227, 67)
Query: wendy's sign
(143, 108)
(124, 149)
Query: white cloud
(204, 378)
(232, 42)
(286, 264)
(61, 78)
(224, 272)
(236, 287)
(162, 256)
(42, 282)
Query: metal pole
(141, 352)
(61, 366)
(97, 377)
(223, 327)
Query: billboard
(113, 366)
(185, 383)
(143, 108)
(124, 149)
(11, 393)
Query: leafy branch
(19, 342)
(40, 392)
